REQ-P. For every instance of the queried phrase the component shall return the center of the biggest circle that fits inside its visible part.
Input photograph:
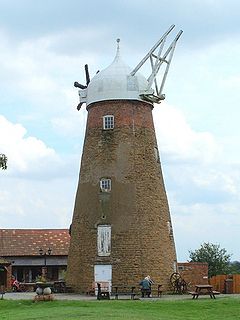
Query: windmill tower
(121, 228)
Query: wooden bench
(124, 291)
(155, 291)
(194, 294)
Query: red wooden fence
(226, 283)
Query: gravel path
(69, 296)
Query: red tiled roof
(27, 242)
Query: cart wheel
(175, 280)
(175, 277)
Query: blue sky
(43, 48)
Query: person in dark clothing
(146, 286)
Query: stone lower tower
(121, 228)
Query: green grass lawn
(222, 308)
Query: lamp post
(44, 254)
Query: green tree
(3, 161)
(218, 259)
(234, 267)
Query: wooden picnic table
(203, 289)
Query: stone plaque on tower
(121, 228)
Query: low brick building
(193, 273)
(20, 249)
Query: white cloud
(37, 189)
(72, 124)
(36, 204)
(231, 82)
(32, 70)
(25, 154)
(198, 156)
(202, 186)
(227, 181)
(206, 223)
(179, 141)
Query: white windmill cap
(116, 83)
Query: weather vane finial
(118, 46)
(118, 49)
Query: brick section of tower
(136, 208)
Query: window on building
(170, 229)
(108, 122)
(104, 240)
(105, 185)
(156, 154)
(181, 268)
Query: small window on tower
(108, 122)
(105, 185)
(170, 229)
(156, 154)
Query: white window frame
(170, 229)
(181, 268)
(108, 122)
(105, 185)
(156, 152)
(104, 240)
